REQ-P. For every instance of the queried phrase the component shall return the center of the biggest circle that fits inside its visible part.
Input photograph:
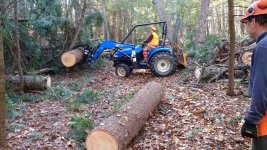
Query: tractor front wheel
(163, 64)
(123, 70)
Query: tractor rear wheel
(163, 64)
(123, 70)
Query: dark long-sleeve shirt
(149, 38)
(258, 81)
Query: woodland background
(34, 34)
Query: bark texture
(172, 29)
(3, 142)
(79, 26)
(18, 50)
(31, 82)
(117, 131)
(107, 32)
(204, 9)
(231, 77)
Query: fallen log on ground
(72, 57)
(31, 82)
(214, 72)
(117, 131)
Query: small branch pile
(218, 68)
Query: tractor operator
(152, 40)
(255, 125)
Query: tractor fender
(157, 50)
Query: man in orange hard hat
(152, 40)
(255, 125)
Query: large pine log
(72, 57)
(30, 82)
(117, 131)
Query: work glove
(249, 130)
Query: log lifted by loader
(162, 61)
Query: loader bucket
(180, 54)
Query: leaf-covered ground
(190, 116)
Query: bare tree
(3, 142)
(202, 23)
(107, 34)
(79, 26)
(18, 50)
(230, 90)
(173, 38)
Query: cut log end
(48, 81)
(71, 58)
(101, 140)
(68, 59)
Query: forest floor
(190, 117)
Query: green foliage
(13, 99)
(93, 18)
(74, 106)
(33, 99)
(59, 92)
(236, 120)
(78, 127)
(127, 98)
(34, 136)
(100, 62)
(14, 127)
(11, 110)
(87, 97)
(205, 54)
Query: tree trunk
(230, 90)
(3, 142)
(77, 31)
(31, 82)
(107, 32)
(77, 10)
(71, 58)
(18, 50)
(203, 15)
(117, 131)
(176, 28)
(162, 16)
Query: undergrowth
(78, 128)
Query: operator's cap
(255, 9)
(153, 28)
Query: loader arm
(107, 45)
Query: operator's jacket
(257, 113)
(152, 40)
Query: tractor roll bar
(164, 31)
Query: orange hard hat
(153, 28)
(256, 8)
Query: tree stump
(72, 57)
(117, 131)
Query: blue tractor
(162, 61)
